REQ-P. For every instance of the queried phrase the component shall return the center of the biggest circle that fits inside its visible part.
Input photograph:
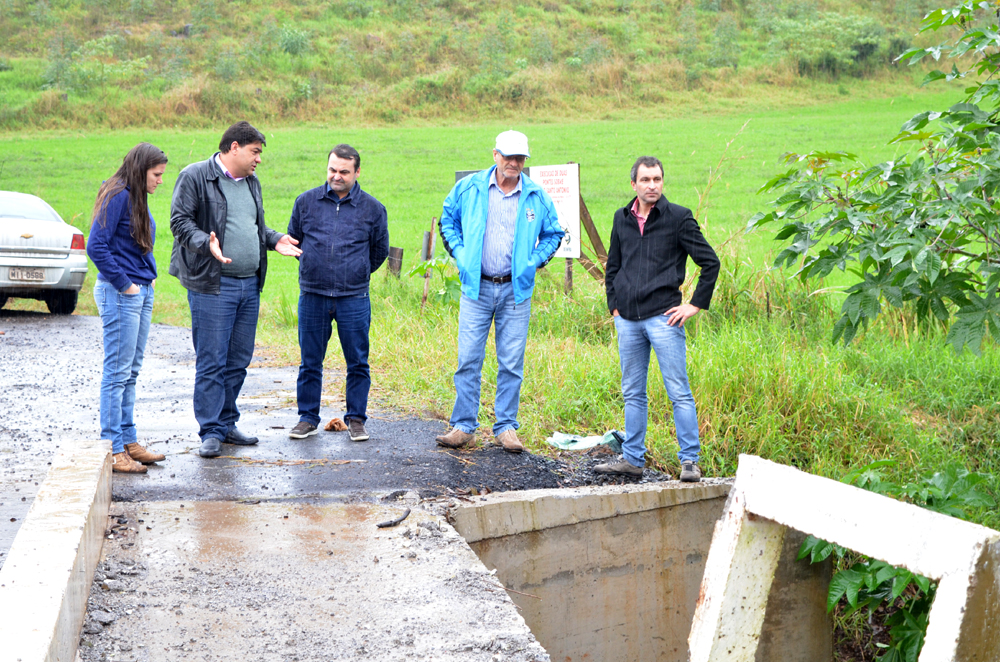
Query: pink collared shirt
(641, 219)
(226, 172)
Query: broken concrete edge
(512, 513)
(963, 557)
(45, 582)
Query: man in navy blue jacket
(344, 236)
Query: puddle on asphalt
(208, 529)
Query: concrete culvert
(613, 573)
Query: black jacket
(645, 271)
(199, 208)
(343, 240)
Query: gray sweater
(240, 244)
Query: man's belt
(497, 279)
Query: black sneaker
(690, 472)
(302, 430)
(356, 429)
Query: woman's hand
(131, 289)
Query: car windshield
(26, 206)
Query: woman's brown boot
(123, 464)
(140, 454)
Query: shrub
(293, 41)
(359, 9)
(593, 51)
(688, 24)
(93, 64)
(540, 51)
(832, 44)
(227, 67)
(726, 45)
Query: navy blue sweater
(343, 240)
(118, 259)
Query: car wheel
(62, 302)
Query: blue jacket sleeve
(450, 224)
(102, 234)
(378, 243)
(550, 235)
(295, 222)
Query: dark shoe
(236, 437)
(508, 439)
(356, 430)
(302, 430)
(122, 463)
(690, 472)
(455, 438)
(210, 447)
(622, 467)
(143, 455)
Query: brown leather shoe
(123, 464)
(454, 439)
(508, 439)
(140, 454)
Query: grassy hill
(78, 63)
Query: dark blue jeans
(223, 328)
(316, 316)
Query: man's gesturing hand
(677, 315)
(213, 246)
(288, 246)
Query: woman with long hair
(122, 235)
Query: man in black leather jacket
(220, 257)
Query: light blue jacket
(537, 233)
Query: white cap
(512, 143)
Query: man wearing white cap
(500, 227)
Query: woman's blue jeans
(495, 306)
(634, 342)
(125, 318)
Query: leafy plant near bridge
(898, 600)
(923, 230)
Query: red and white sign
(562, 183)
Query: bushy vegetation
(155, 63)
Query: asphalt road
(50, 373)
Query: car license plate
(20, 273)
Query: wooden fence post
(395, 261)
(429, 238)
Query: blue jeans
(495, 305)
(223, 329)
(125, 318)
(634, 341)
(316, 316)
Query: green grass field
(769, 384)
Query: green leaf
(845, 583)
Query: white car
(41, 256)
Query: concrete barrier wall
(45, 582)
(614, 573)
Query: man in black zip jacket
(344, 234)
(220, 257)
(651, 240)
